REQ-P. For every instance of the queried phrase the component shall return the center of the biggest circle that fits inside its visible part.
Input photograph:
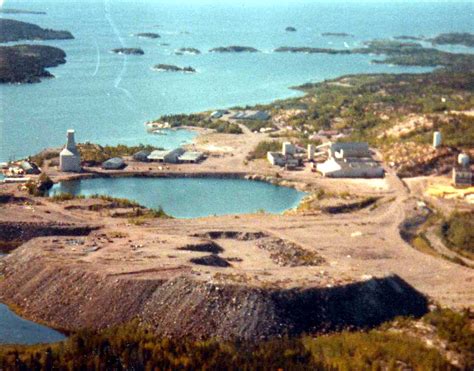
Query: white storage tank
(463, 159)
(436, 139)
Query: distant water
(16, 330)
(108, 97)
(191, 197)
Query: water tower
(437, 139)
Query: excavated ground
(249, 277)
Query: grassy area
(133, 346)
(458, 232)
(95, 154)
(260, 151)
(201, 121)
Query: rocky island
(337, 34)
(234, 49)
(128, 51)
(290, 29)
(173, 68)
(16, 30)
(28, 63)
(148, 35)
(454, 38)
(309, 50)
(192, 51)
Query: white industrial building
(176, 156)
(285, 158)
(69, 158)
(350, 160)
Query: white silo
(436, 139)
(463, 159)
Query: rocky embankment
(73, 296)
(12, 30)
(28, 63)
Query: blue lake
(191, 197)
(16, 330)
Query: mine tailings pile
(72, 297)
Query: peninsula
(13, 30)
(28, 63)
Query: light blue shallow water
(16, 330)
(191, 197)
(108, 97)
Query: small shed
(115, 163)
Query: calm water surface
(108, 97)
(191, 197)
(16, 330)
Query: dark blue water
(191, 197)
(16, 330)
(108, 97)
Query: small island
(454, 38)
(173, 68)
(20, 11)
(148, 35)
(234, 49)
(16, 30)
(408, 37)
(192, 51)
(128, 51)
(337, 34)
(309, 50)
(28, 63)
(290, 29)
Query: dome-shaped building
(69, 158)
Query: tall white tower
(69, 158)
(436, 139)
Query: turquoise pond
(191, 197)
(16, 330)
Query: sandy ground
(354, 246)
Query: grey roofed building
(115, 163)
(191, 157)
(168, 156)
(463, 177)
(141, 156)
(30, 167)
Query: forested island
(234, 49)
(397, 53)
(173, 68)
(16, 31)
(454, 38)
(128, 51)
(28, 63)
